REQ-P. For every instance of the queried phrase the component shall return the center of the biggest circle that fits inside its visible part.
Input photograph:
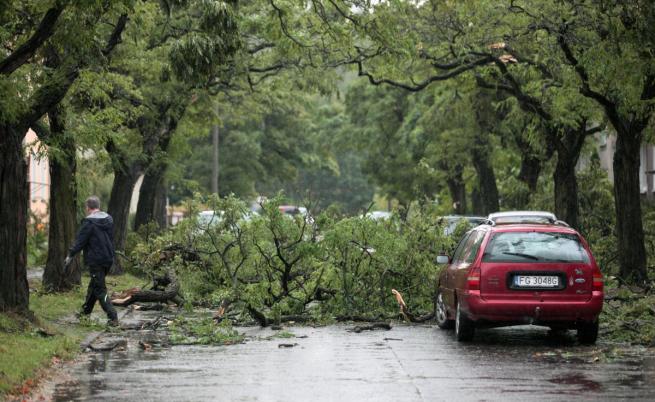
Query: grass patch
(28, 343)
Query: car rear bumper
(507, 310)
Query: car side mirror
(443, 259)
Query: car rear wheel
(464, 327)
(442, 313)
(588, 332)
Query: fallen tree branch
(377, 325)
(170, 292)
(265, 321)
(360, 318)
(404, 311)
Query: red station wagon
(517, 274)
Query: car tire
(588, 332)
(464, 326)
(441, 313)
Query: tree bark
(14, 290)
(568, 147)
(530, 171)
(566, 190)
(153, 192)
(215, 158)
(166, 288)
(627, 198)
(457, 189)
(487, 189)
(531, 161)
(152, 198)
(125, 178)
(63, 196)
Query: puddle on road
(578, 379)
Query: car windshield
(535, 247)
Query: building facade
(38, 177)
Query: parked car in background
(293, 210)
(451, 221)
(378, 215)
(523, 217)
(207, 219)
(514, 274)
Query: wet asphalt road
(407, 363)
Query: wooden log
(377, 325)
(169, 293)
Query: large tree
(173, 53)
(607, 45)
(30, 89)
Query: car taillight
(598, 280)
(473, 279)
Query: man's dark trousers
(98, 291)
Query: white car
(378, 215)
(207, 219)
(450, 222)
(517, 217)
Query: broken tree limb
(377, 325)
(404, 311)
(264, 321)
(258, 316)
(165, 288)
(222, 310)
(361, 318)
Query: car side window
(473, 246)
(460, 247)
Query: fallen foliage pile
(629, 316)
(203, 331)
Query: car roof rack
(556, 222)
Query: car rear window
(535, 247)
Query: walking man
(96, 239)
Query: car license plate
(536, 281)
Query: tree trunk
(457, 189)
(488, 191)
(14, 196)
(63, 196)
(530, 171)
(627, 199)
(532, 162)
(215, 158)
(152, 198)
(568, 150)
(152, 195)
(119, 207)
(566, 190)
(476, 201)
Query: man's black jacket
(96, 239)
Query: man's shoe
(113, 323)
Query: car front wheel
(442, 313)
(588, 332)
(464, 327)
